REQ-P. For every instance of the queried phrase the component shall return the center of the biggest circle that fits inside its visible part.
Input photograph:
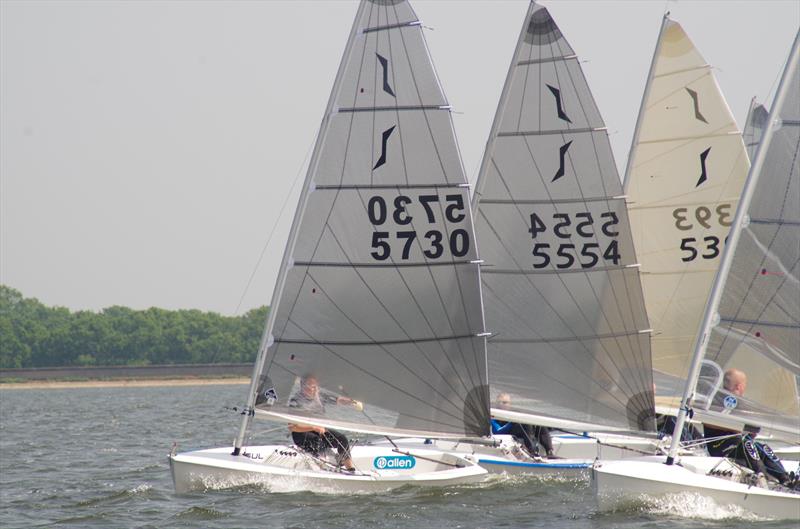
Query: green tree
(34, 335)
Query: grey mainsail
(754, 127)
(561, 289)
(379, 295)
(758, 326)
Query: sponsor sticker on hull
(394, 462)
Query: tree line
(35, 335)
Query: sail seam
(489, 270)
(779, 222)
(554, 201)
(568, 338)
(763, 323)
(690, 138)
(551, 132)
(683, 70)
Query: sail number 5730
(432, 242)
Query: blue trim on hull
(533, 465)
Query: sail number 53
(432, 242)
(580, 225)
(705, 247)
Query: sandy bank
(143, 383)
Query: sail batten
(547, 59)
(564, 132)
(375, 342)
(392, 26)
(381, 265)
(561, 289)
(552, 201)
(597, 269)
(397, 108)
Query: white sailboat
(751, 322)
(378, 295)
(570, 343)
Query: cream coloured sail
(685, 172)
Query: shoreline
(123, 383)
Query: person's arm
(300, 428)
(500, 429)
(330, 398)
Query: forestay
(758, 330)
(754, 127)
(561, 289)
(381, 301)
(685, 172)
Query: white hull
(282, 468)
(506, 455)
(618, 483)
(787, 453)
(602, 446)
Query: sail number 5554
(582, 226)
(435, 241)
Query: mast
(711, 316)
(286, 262)
(645, 96)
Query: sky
(148, 148)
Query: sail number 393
(432, 242)
(582, 225)
(709, 246)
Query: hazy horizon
(146, 148)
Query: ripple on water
(142, 490)
(200, 513)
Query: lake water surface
(97, 457)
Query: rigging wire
(274, 226)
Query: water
(97, 457)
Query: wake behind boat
(376, 323)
